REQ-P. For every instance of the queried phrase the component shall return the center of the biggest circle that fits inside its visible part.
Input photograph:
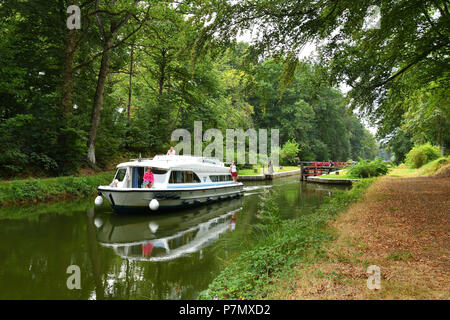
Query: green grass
(432, 166)
(400, 255)
(342, 175)
(248, 172)
(36, 190)
(400, 171)
(425, 170)
(334, 176)
(276, 246)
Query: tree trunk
(98, 100)
(130, 90)
(130, 84)
(162, 76)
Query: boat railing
(175, 157)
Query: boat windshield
(159, 175)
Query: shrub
(420, 155)
(364, 169)
(289, 152)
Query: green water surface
(169, 255)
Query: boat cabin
(171, 170)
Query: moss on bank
(36, 190)
(278, 245)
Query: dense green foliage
(33, 190)
(400, 145)
(420, 155)
(365, 169)
(124, 81)
(277, 245)
(392, 55)
(310, 113)
(289, 152)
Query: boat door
(138, 176)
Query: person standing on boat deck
(171, 152)
(148, 178)
(233, 171)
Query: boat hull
(137, 200)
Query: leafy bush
(420, 155)
(364, 169)
(289, 152)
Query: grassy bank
(247, 172)
(36, 190)
(276, 246)
(426, 170)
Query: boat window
(120, 175)
(158, 170)
(221, 178)
(159, 175)
(183, 177)
(192, 177)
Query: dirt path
(402, 226)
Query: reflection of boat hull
(137, 200)
(118, 229)
(166, 237)
(197, 238)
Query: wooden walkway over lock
(317, 168)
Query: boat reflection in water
(167, 237)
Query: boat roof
(173, 161)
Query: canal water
(173, 255)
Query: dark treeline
(122, 83)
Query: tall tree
(111, 21)
(410, 39)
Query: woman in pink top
(148, 178)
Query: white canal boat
(179, 181)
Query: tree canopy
(122, 83)
(389, 62)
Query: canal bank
(277, 246)
(49, 189)
(401, 227)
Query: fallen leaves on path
(402, 226)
